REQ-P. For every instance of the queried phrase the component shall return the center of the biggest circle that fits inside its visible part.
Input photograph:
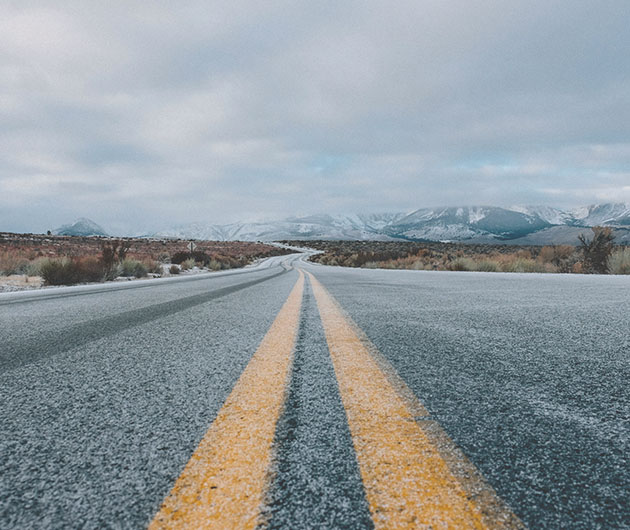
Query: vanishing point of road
(292, 395)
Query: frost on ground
(19, 282)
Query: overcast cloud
(141, 115)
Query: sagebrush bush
(487, 266)
(57, 271)
(562, 257)
(214, 265)
(525, 265)
(174, 269)
(188, 264)
(462, 264)
(13, 262)
(34, 267)
(619, 261)
(66, 271)
(132, 267)
(197, 256)
(90, 269)
(597, 250)
(154, 267)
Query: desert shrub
(487, 266)
(114, 252)
(132, 267)
(597, 250)
(201, 257)
(57, 271)
(525, 265)
(66, 271)
(619, 261)
(196, 257)
(34, 267)
(153, 267)
(214, 265)
(89, 269)
(562, 257)
(188, 264)
(418, 265)
(163, 257)
(462, 264)
(180, 257)
(13, 262)
(112, 272)
(174, 269)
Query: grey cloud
(135, 113)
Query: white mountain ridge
(466, 223)
(489, 224)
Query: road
(292, 395)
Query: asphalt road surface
(292, 395)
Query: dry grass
(619, 261)
(460, 257)
(19, 282)
(12, 262)
(63, 260)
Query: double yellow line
(413, 475)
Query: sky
(145, 115)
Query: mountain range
(480, 224)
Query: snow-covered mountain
(360, 227)
(526, 224)
(466, 223)
(80, 227)
(612, 214)
(549, 214)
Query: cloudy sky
(142, 115)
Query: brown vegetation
(597, 250)
(458, 256)
(65, 260)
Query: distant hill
(81, 227)
(532, 225)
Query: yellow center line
(409, 480)
(224, 483)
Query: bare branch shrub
(597, 250)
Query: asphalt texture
(94, 435)
(105, 393)
(316, 481)
(527, 373)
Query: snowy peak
(458, 223)
(320, 226)
(81, 227)
(463, 223)
(614, 214)
(552, 216)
